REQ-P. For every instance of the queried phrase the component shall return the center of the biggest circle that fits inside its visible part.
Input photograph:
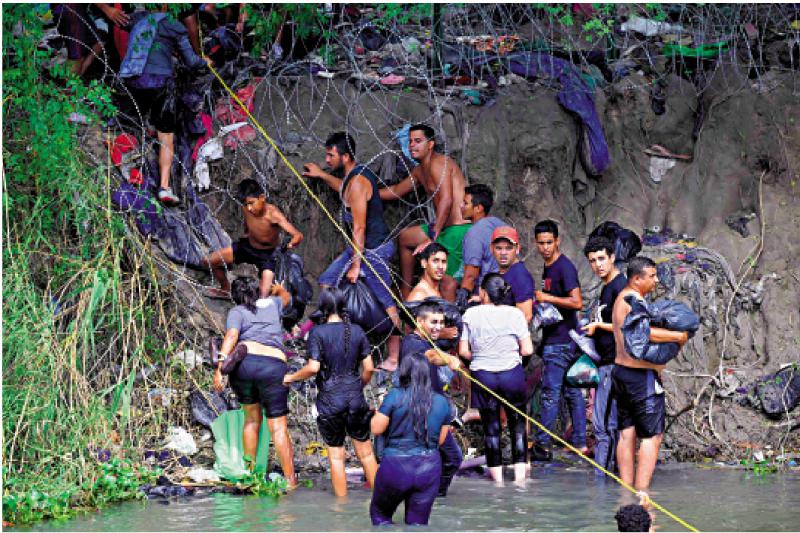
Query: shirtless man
(433, 260)
(263, 223)
(444, 183)
(637, 384)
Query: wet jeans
(604, 420)
(451, 456)
(413, 479)
(557, 360)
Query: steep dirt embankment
(744, 161)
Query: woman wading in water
(258, 379)
(495, 339)
(414, 419)
(340, 358)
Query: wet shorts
(244, 252)
(334, 427)
(640, 400)
(259, 379)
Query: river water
(556, 498)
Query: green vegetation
(81, 301)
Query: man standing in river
(444, 182)
(637, 384)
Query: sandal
(217, 294)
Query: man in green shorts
(444, 183)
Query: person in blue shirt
(477, 252)
(340, 357)
(505, 248)
(414, 419)
(148, 71)
(561, 288)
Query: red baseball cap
(506, 232)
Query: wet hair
(250, 189)
(425, 129)
(633, 517)
(496, 287)
(428, 308)
(545, 226)
(638, 264)
(481, 195)
(343, 142)
(244, 291)
(598, 243)
(415, 377)
(431, 249)
(333, 302)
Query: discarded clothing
(780, 392)
(659, 167)
(575, 96)
(649, 27)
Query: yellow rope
(403, 307)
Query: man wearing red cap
(505, 248)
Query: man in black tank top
(362, 216)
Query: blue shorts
(379, 258)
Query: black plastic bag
(289, 270)
(365, 309)
(207, 406)
(452, 318)
(674, 315)
(626, 243)
(545, 315)
(668, 314)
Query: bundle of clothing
(667, 314)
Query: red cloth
(124, 143)
(120, 38)
(229, 112)
(205, 118)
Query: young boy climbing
(263, 224)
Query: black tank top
(377, 230)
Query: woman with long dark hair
(414, 419)
(339, 355)
(254, 326)
(495, 339)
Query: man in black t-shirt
(600, 253)
(561, 288)
(430, 320)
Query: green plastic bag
(704, 51)
(583, 373)
(229, 449)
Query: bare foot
(218, 294)
(470, 415)
(388, 365)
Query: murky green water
(555, 499)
